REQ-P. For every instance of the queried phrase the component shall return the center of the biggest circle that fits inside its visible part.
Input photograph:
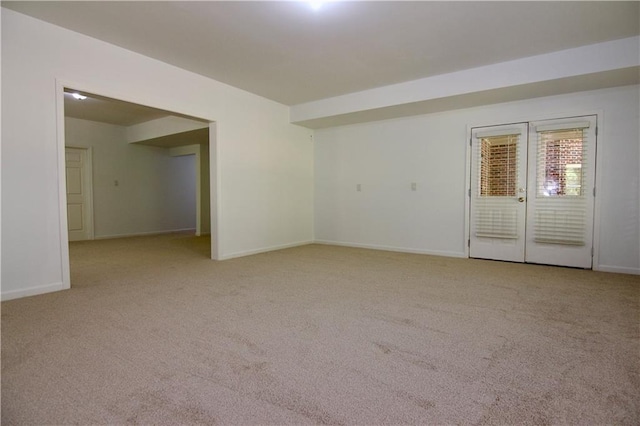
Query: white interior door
(79, 203)
(560, 201)
(532, 192)
(498, 185)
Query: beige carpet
(153, 332)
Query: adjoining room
(132, 171)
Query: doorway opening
(150, 170)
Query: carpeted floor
(153, 332)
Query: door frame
(88, 181)
(526, 118)
(214, 167)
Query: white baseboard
(142, 234)
(617, 269)
(32, 291)
(393, 248)
(264, 250)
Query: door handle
(521, 199)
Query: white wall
(263, 179)
(431, 150)
(153, 187)
(0, 156)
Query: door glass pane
(498, 168)
(496, 215)
(560, 163)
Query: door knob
(521, 199)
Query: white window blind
(561, 197)
(481, 133)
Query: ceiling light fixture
(316, 5)
(78, 96)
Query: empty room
(339, 212)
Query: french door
(532, 192)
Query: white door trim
(62, 187)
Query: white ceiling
(121, 113)
(107, 110)
(287, 52)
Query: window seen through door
(560, 163)
(498, 167)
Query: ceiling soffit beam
(161, 127)
(561, 86)
(561, 65)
